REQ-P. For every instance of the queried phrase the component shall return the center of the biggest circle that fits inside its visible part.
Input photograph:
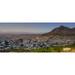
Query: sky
(31, 27)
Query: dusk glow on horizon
(31, 27)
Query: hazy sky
(31, 27)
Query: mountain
(62, 30)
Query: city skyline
(31, 27)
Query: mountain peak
(63, 27)
(62, 30)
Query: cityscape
(37, 37)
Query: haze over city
(37, 37)
(31, 27)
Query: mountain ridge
(61, 30)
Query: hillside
(62, 30)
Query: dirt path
(73, 50)
(68, 49)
